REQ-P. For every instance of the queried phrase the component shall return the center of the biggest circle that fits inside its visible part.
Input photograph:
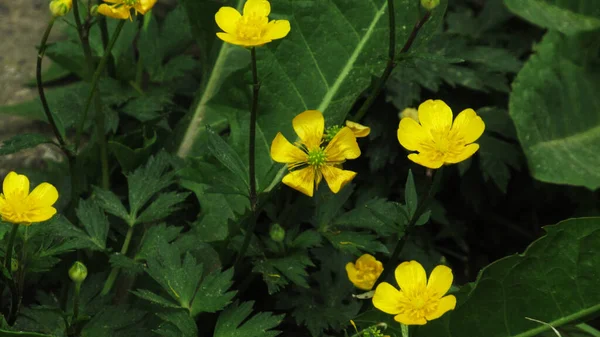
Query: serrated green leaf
(213, 294)
(94, 222)
(148, 180)
(126, 265)
(163, 206)
(110, 202)
(382, 216)
(278, 272)
(177, 324)
(156, 299)
(227, 156)
(329, 204)
(234, 322)
(112, 320)
(21, 142)
(553, 281)
(497, 157)
(154, 238)
(306, 239)
(554, 107)
(355, 243)
(42, 320)
(569, 17)
(130, 158)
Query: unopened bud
(430, 4)
(331, 132)
(78, 272)
(94, 10)
(60, 7)
(410, 113)
(277, 233)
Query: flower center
(331, 132)
(317, 157)
(251, 27)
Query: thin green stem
(421, 209)
(95, 79)
(391, 63)
(251, 157)
(588, 329)
(112, 277)
(110, 67)
(76, 301)
(9, 247)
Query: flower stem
(251, 157)
(76, 301)
(112, 277)
(9, 247)
(391, 63)
(95, 79)
(423, 205)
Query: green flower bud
(78, 272)
(277, 233)
(14, 265)
(430, 4)
(60, 7)
(331, 132)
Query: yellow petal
(121, 12)
(309, 126)
(301, 180)
(411, 276)
(336, 178)
(39, 215)
(410, 320)
(446, 304)
(143, 6)
(359, 130)
(227, 19)
(366, 259)
(411, 134)
(44, 195)
(233, 39)
(468, 126)
(426, 160)
(257, 7)
(440, 281)
(15, 187)
(282, 151)
(464, 154)
(343, 146)
(277, 29)
(387, 299)
(435, 116)
(353, 276)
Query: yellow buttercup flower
(358, 129)
(438, 140)
(365, 272)
(60, 7)
(121, 9)
(253, 28)
(18, 206)
(417, 301)
(309, 161)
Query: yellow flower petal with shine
(365, 272)
(359, 130)
(227, 19)
(386, 299)
(15, 186)
(412, 135)
(411, 276)
(435, 116)
(467, 152)
(343, 146)
(44, 195)
(143, 6)
(282, 151)
(277, 29)
(468, 126)
(446, 304)
(257, 8)
(302, 180)
(427, 160)
(407, 319)
(309, 126)
(19, 206)
(336, 178)
(440, 281)
(121, 12)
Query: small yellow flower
(417, 301)
(436, 138)
(60, 7)
(358, 129)
(309, 161)
(121, 9)
(253, 28)
(365, 272)
(19, 206)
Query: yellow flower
(60, 7)
(121, 9)
(19, 206)
(436, 138)
(309, 161)
(358, 129)
(410, 112)
(417, 301)
(365, 272)
(253, 28)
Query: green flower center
(331, 132)
(317, 157)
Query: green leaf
(163, 206)
(554, 105)
(382, 216)
(125, 264)
(156, 299)
(22, 142)
(329, 204)
(130, 158)
(569, 17)
(42, 320)
(355, 242)
(94, 222)
(497, 157)
(234, 322)
(110, 203)
(227, 156)
(148, 180)
(113, 320)
(177, 324)
(554, 281)
(278, 272)
(155, 237)
(6, 333)
(213, 294)
(321, 64)
(410, 194)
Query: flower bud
(78, 272)
(331, 132)
(60, 7)
(94, 10)
(277, 233)
(410, 113)
(430, 4)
